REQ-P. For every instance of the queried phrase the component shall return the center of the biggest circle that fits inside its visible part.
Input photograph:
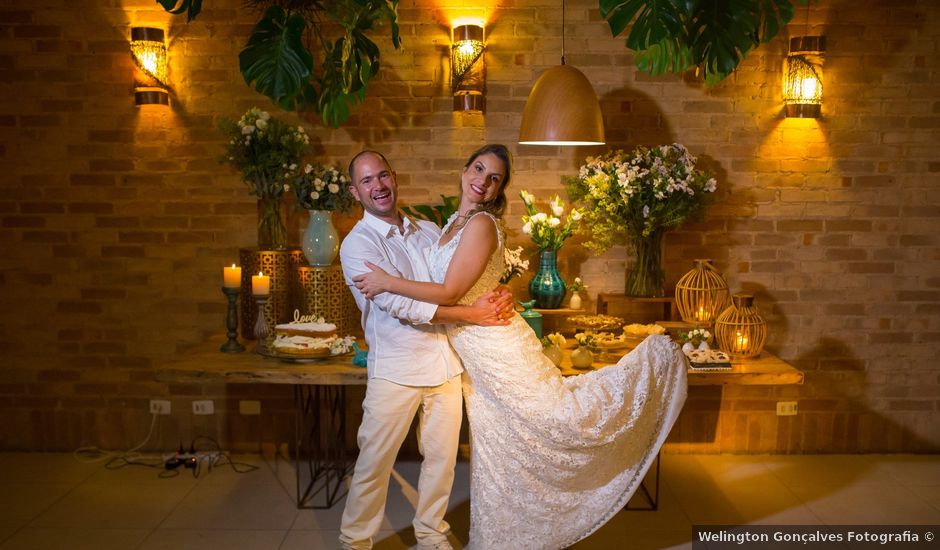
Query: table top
(205, 363)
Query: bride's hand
(373, 283)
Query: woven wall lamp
(740, 330)
(468, 77)
(562, 108)
(148, 50)
(802, 77)
(701, 294)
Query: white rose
(286, 187)
(554, 222)
(263, 115)
(527, 228)
(308, 168)
(314, 195)
(540, 217)
(247, 130)
(333, 188)
(293, 167)
(261, 123)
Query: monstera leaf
(275, 60)
(438, 213)
(176, 7)
(713, 36)
(293, 58)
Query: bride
(552, 458)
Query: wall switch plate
(204, 406)
(249, 408)
(159, 406)
(786, 408)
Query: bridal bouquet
(629, 195)
(265, 150)
(546, 229)
(321, 187)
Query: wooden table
(320, 400)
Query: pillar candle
(232, 276)
(260, 284)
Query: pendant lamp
(562, 108)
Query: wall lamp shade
(562, 109)
(802, 78)
(148, 50)
(467, 72)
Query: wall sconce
(148, 50)
(802, 77)
(466, 68)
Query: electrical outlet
(249, 408)
(786, 408)
(204, 406)
(159, 406)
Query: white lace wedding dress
(553, 458)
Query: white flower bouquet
(546, 229)
(320, 187)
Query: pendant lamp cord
(562, 32)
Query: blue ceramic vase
(547, 288)
(321, 240)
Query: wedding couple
(552, 458)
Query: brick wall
(116, 219)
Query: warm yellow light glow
(467, 72)
(802, 77)
(150, 75)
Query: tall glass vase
(321, 240)
(547, 288)
(272, 234)
(647, 278)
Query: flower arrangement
(639, 193)
(577, 285)
(554, 339)
(321, 187)
(696, 336)
(266, 150)
(514, 263)
(546, 229)
(588, 341)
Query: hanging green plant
(713, 36)
(311, 54)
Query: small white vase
(704, 346)
(582, 358)
(575, 302)
(687, 347)
(321, 240)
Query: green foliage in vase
(437, 213)
(638, 194)
(713, 36)
(311, 54)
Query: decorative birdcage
(739, 329)
(701, 294)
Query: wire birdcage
(701, 294)
(739, 329)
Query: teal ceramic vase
(321, 240)
(547, 288)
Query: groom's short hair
(352, 162)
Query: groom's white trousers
(388, 410)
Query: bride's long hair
(496, 206)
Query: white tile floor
(53, 501)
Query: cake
(304, 339)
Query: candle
(260, 284)
(701, 314)
(741, 342)
(232, 276)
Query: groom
(411, 367)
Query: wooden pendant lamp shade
(562, 109)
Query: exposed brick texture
(116, 219)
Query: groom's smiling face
(374, 186)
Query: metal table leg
(651, 497)
(320, 445)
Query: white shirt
(403, 346)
